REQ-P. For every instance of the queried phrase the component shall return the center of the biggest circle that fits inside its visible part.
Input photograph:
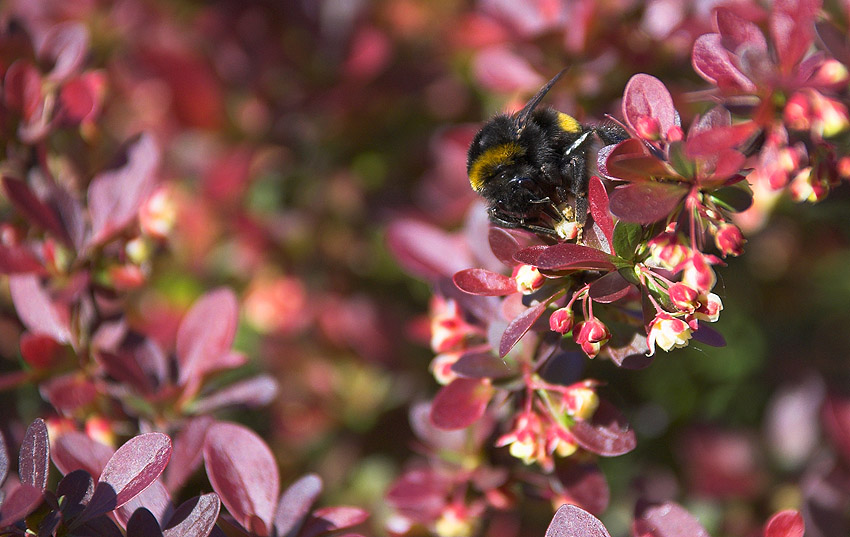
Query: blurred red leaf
(836, 421)
(607, 433)
(503, 244)
(712, 61)
(4, 460)
(585, 485)
(187, 452)
(788, 523)
(630, 161)
(40, 351)
(737, 31)
(792, 29)
(19, 503)
(667, 520)
(460, 403)
(69, 392)
(81, 97)
(481, 364)
(77, 451)
(295, 504)
(499, 69)
(708, 335)
(598, 198)
(34, 457)
(645, 203)
(206, 334)
(573, 521)
(18, 259)
(330, 519)
(519, 326)
(65, 46)
(646, 96)
(477, 281)
(426, 251)
(114, 196)
(243, 471)
(253, 392)
(33, 209)
(609, 288)
(711, 142)
(419, 492)
(195, 517)
(22, 88)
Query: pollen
(489, 160)
(568, 123)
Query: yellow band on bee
(489, 160)
(568, 123)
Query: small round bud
(729, 240)
(591, 335)
(684, 298)
(561, 320)
(528, 279)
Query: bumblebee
(532, 167)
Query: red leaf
(499, 69)
(243, 471)
(572, 521)
(481, 364)
(788, 523)
(154, 499)
(836, 421)
(36, 309)
(712, 62)
(646, 96)
(22, 88)
(607, 433)
(503, 244)
(18, 504)
(519, 326)
(33, 209)
(195, 517)
(253, 392)
(188, 451)
(630, 161)
(295, 503)
(17, 259)
(69, 392)
(569, 256)
(713, 141)
(136, 465)
(598, 198)
(460, 403)
(4, 460)
(77, 451)
(737, 31)
(477, 281)
(585, 485)
(34, 458)
(81, 97)
(66, 46)
(609, 288)
(645, 203)
(206, 333)
(668, 520)
(115, 196)
(632, 355)
(792, 28)
(426, 251)
(40, 351)
(333, 518)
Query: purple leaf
(39, 351)
(154, 499)
(499, 69)
(598, 198)
(34, 458)
(788, 523)
(420, 421)
(77, 451)
(519, 326)
(645, 203)
(420, 491)
(709, 336)
(77, 487)
(712, 62)
(206, 333)
(481, 364)
(18, 259)
(569, 256)
(715, 140)
(143, 524)
(4, 460)
(35, 210)
(331, 519)
(585, 484)
(19, 503)
(253, 392)
(188, 452)
(477, 281)
(572, 521)
(737, 31)
(834, 40)
(295, 503)
(503, 244)
(136, 465)
(460, 403)
(607, 433)
(243, 471)
(65, 46)
(630, 161)
(631, 355)
(99, 527)
(609, 288)
(195, 517)
(426, 251)
(646, 96)
(37, 310)
(115, 196)
(792, 28)
(668, 520)
(69, 392)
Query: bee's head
(495, 152)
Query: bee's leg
(610, 133)
(578, 181)
(507, 221)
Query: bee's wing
(521, 117)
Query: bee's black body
(531, 165)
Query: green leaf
(627, 236)
(680, 162)
(736, 198)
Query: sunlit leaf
(477, 281)
(34, 457)
(607, 433)
(573, 521)
(645, 203)
(460, 403)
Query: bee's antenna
(522, 116)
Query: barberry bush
(216, 219)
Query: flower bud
(456, 521)
(560, 441)
(831, 117)
(666, 250)
(561, 320)
(729, 240)
(797, 113)
(683, 297)
(582, 402)
(100, 429)
(441, 367)
(591, 335)
(528, 279)
(158, 214)
(830, 73)
(806, 187)
(668, 332)
(648, 128)
(698, 274)
(709, 308)
(675, 134)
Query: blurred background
(295, 132)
